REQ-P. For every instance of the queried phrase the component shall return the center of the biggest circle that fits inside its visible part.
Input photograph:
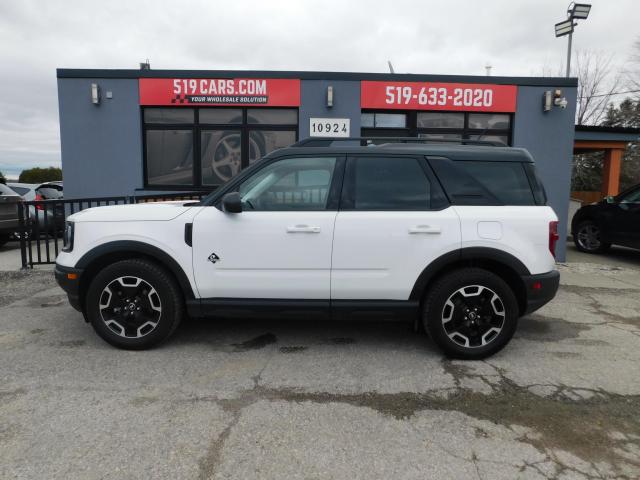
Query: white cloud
(446, 37)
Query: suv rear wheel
(588, 238)
(470, 313)
(134, 304)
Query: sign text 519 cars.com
(272, 92)
(438, 96)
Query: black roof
(303, 75)
(453, 152)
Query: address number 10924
(442, 96)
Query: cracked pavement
(285, 399)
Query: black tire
(460, 286)
(164, 294)
(587, 238)
(4, 239)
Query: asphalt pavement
(250, 399)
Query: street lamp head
(564, 28)
(579, 11)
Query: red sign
(260, 92)
(470, 97)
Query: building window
(438, 125)
(204, 147)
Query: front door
(394, 220)
(279, 246)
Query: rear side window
(20, 190)
(539, 193)
(389, 183)
(50, 192)
(485, 183)
(507, 181)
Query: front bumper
(69, 280)
(540, 289)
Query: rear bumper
(540, 289)
(71, 286)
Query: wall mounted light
(553, 98)
(330, 96)
(95, 94)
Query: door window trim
(333, 196)
(348, 191)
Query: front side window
(631, 197)
(387, 183)
(289, 184)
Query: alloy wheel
(473, 316)
(130, 307)
(588, 237)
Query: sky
(515, 37)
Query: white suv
(457, 236)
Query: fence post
(23, 233)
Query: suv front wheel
(134, 304)
(470, 313)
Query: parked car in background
(613, 220)
(9, 223)
(42, 218)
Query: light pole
(575, 11)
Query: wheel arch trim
(131, 246)
(467, 254)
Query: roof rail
(326, 142)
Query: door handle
(303, 229)
(425, 229)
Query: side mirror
(610, 199)
(232, 203)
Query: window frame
(412, 129)
(196, 129)
(348, 190)
(335, 188)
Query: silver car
(42, 218)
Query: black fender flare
(131, 246)
(466, 255)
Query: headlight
(69, 228)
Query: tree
(40, 175)
(597, 83)
(627, 114)
(3, 179)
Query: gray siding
(101, 144)
(313, 99)
(549, 138)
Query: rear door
(393, 221)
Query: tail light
(553, 237)
(39, 206)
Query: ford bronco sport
(459, 237)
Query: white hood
(158, 211)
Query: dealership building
(135, 132)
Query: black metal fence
(42, 221)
